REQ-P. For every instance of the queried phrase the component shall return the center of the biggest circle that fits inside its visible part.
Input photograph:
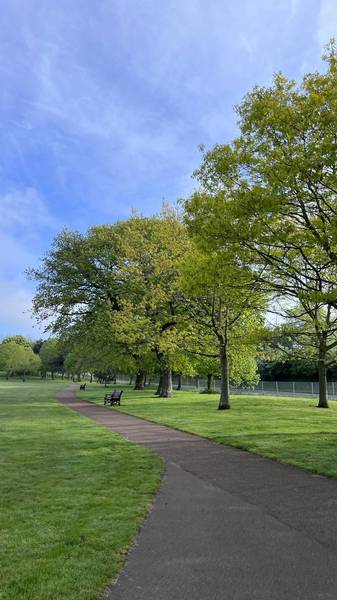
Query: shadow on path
(226, 524)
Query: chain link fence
(268, 388)
(288, 388)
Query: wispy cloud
(327, 21)
(24, 208)
(103, 105)
(23, 215)
(15, 305)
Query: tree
(226, 306)
(127, 272)
(209, 367)
(153, 249)
(16, 358)
(110, 342)
(52, 355)
(274, 190)
(303, 334)
(37, 345)
(18, 339)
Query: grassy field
(72, 493)
(290, 430)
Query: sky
(103, 106)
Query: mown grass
(72, 493)
(291, 430)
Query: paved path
(226, 524)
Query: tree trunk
(323, 394)
(140, 381)
(224, 395)
(210, 382)
(90, 377)
(166, 389)
(131, 379)
(24, 376)
(52, 374)
(160, 385)
(179, 382)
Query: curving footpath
(226, 524)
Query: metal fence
(289, 388)
(271, 388)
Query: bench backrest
(117, 394)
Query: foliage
(17, 358)
(52, 354)
(122, 276)
(288, 370)
(18, 339)
(37, 345)
(226, 307)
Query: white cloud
(327, 21)
(24, 208)
(22, 215)
(15, 306)
(15, 255)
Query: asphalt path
(226, 524)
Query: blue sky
(103, 106)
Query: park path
(226, 524)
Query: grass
(291, 430)
(73, 495)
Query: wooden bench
(82, 387)
(114, 398)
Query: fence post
(293, 387)
(261, 386)
(333, 388)
(312, 387)
(276, 387)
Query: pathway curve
(226, 524)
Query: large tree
(17, 358)
(127, 272)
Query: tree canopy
(18, 358)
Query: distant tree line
(51, 357)
(20, 356)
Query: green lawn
(72, 493)
(291, 430)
